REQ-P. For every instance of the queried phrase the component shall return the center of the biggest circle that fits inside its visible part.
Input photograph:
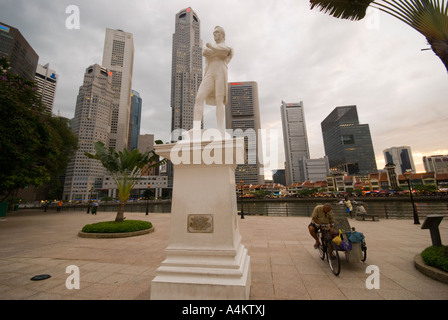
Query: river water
(385, 208)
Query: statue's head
(221, 31)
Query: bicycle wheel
(333, 259)
(321, 250)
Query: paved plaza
(284, 264)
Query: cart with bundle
(349, 241)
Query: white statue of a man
(213, 88)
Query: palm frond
(429, 17)
(344, 9)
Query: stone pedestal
(205, 258)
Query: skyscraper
(135, 120)
(91, 124)
(186, 70)
(46, 80)
(401, 157)
(295, 140)
(118, 57)
(347, 143)
(21, 56)
(243, 117)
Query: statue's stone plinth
(205, 258)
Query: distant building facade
(314, 169)
(295, 141)
(21, 56)
(118, 57)
(91, 124)
(278, 176)
(186, 70)
(135, 120)
(436, 164)
(401, 157)
(47, 81)
(243, 119)
(348, 144)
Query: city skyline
(293, 53)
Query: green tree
(429, 17)
(125, 168)
(63, 145)
(34, 145)
(307, 191)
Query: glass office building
(135, 120)
(21, 56)
(348, 143)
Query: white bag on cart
(354, 255)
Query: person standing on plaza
(322, 214)
(348, 205)
(95, 207)
(59, 205)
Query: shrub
(117, 227)
(436, 257)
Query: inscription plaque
(200, 223)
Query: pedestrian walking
(95, 207)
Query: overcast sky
(293, 53)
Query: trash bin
(16, 207)
(3, 209)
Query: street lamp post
(147, 200)
(242, 196)
(407, 175)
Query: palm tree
(125, 168)
(429, 17)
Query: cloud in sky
(293, 53)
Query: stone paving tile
(284, 264)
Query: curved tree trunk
(120, 213)
(440, 48)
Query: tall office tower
(91, 124)
(243, 117)
(21, 56)
(295, 140)
(347, 143)
(46, 80)
(186, 71)
(118, 57)
(135, 120)
(437, 164)
(401, 157)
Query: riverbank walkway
(284, 264)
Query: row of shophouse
(381, 183)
